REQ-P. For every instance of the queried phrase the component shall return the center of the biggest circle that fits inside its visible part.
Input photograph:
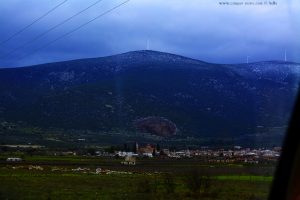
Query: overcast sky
(201, 29)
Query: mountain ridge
(151, 51)
(110, 93)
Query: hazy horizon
(73, 59)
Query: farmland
(88, 177)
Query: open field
(75, 177)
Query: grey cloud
(200, 29)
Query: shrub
(169, 183)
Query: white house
(14, 159)
(129, 160)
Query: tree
(125, 147)
(198, 183)
(91, 151)
(30, 151)
(4, 148)
(169, 183)
(157, 147)
(144, 186)
(193, 181)
(135, 148)
(154, 152)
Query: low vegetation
(87, 177)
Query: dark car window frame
(286, 184)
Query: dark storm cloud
(200, 29)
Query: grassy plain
(149, 179)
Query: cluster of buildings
(144, 151)
(234, 155)
(237, 154)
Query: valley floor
(82, 177)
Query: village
(236, 154)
